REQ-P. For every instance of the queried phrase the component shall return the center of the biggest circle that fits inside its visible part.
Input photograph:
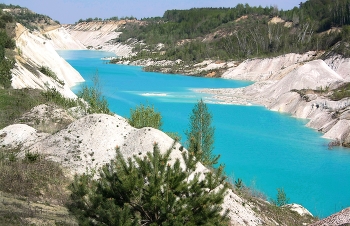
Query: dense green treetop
(150, 190)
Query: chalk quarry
(90, 141)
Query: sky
(70, 11)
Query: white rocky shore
(277, 82)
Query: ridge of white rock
(19, 135)
(341, 218)
(298, 208)
(36, 51)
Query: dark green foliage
(6, 43)
(200, 135)
(185, 24)
(31, 157)
(5, 64)
(93, 96)
(145, 116)
(149, 191)
(239, 184)
(5, 72)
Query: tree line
(241, 32)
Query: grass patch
(15, 102)
(7, 218)
(33, 191)
(32, 177)
(54, 96)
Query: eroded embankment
(300, 85)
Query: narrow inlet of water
(267, 150)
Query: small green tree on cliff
(200, 136)
(149, 190)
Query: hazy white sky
(70, 11)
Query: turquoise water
(266, 149)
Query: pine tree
(149, 191)
(200, 137)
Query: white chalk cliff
(36, 51)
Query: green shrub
(31, 157)
(200, 136)
(145, 116)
